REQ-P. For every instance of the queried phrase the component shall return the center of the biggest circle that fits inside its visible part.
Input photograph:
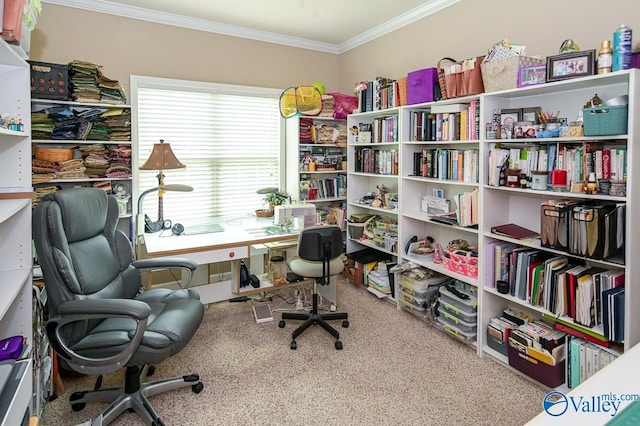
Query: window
(229, 138)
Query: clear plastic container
(450, 319)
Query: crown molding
(413, 15)
(133, 12)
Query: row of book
(585, 359)
(383, 129)
(333, 187)
(378, 161)
(590, 296)
(453, 122)
(579, 161)
(447, 164)
(378, 94)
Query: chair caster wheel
(338, 345)
(294, 345)
(281, 324)
(197, 388)
(78, 407)
(345, 324)
(151, 370)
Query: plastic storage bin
(450, 319)
(454, 304)
(450, 308)
(456, 332)
(418, 302)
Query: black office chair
(319, 250)
(101, 319)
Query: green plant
(276, 198)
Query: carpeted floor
(394, 370)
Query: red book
(606, 163)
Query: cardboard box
(503, 74)
(420, 86)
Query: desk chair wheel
(281, 324)
(338, 345)
(79, 406)
(294, 345)
(345, 324)
(197, 388)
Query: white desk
(232, 245)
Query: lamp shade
(162, 158)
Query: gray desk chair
(319, 250)
(101, 319)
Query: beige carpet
(394, 370)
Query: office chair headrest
(315, 243)
(83, 211)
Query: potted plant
(276, 198)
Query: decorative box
(503, 74)
(605, 120)
(49, 81)
(420, 86)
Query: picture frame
(571, 65)
(510, 116)
(532, 75)
(531, 114)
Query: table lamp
(162, 158)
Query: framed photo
(531, 114)
(571, 65)
(508, 117)
(532, 75)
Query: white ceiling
(327, 25)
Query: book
(514, 231)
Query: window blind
(230, 143)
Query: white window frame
(138, 82)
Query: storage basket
(355, 230)
(55, 155)
(463, 264)
(49, 81)
(463, 83)
(503, 74)
(605, 120)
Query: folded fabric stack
(119, 124)
(95, 159)
(328, 106)
(72, 169)
(305, 130)
(89, 84)
(41, 191)
(119, 162)
(84, 81)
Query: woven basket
(55, 155)
(605, 120)
(441, 80)
(264, 213)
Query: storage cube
(49, 81)
(420, 86)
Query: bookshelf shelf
(305, 143)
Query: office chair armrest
(82, 310)
(184, 263)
